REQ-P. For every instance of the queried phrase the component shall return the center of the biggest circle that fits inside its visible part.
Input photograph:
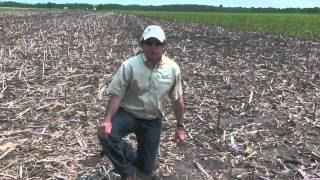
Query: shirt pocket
(163, 85)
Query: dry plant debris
(262, 89)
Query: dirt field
(55, 67)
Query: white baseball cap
(155, 32)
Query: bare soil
(55, 67)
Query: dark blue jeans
(123, 156)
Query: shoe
(126, 177)
(142, 176)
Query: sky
(225, 3)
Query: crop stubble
(54, 69)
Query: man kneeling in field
(138, 90)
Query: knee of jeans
(105, 141)
(100, 136)
(100, 132)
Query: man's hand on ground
(105, 129)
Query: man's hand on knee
(180, 135)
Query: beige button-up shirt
(143, 89)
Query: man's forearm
(178, 107)
(111, 107)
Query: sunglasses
(151, 42)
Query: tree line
(185, 8)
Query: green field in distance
(288, 24)
(295, 24)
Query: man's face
(153, 49)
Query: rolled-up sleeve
(176, 90)
(120, 81)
